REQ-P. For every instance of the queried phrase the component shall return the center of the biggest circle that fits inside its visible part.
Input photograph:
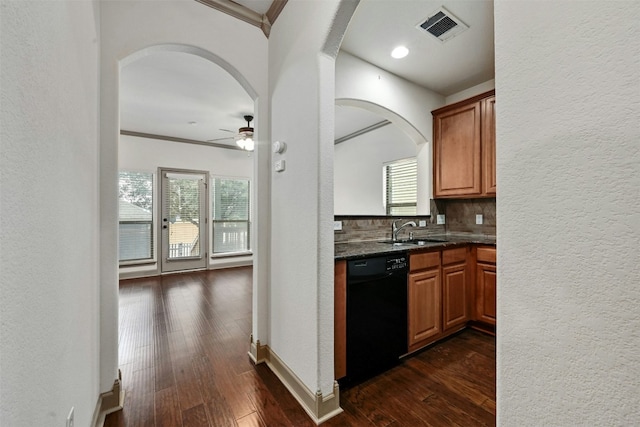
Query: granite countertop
(363, 249)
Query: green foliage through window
(230, 209)
(135, 207)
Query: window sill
(231, 254)
(137, 263)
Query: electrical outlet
(440, 219)
(479, 219)
(337, 225)
(422, 223)
(70, 418)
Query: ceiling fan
(244, 137)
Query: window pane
(401, 187)
(230, 214)
(230, 236)
(135, 190)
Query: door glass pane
(183, 211)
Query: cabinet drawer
(486, 254)
(424, 260)
(450, 256)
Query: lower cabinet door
(455, 298)
(486, 294)
(424, 307)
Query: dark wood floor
(184, 340)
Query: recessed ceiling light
(399, 52)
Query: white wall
(148, 154)
(568, 167)
(49, 302)
(407, 105)
(357, 168)
(302, 115)
(145, 154)
(128, 28)
(472, 91)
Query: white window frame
(154, 235)
(244, 252)
(387, 205)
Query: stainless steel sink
(415, 242)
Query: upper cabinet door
(464, 148)
(489, 145)
(457, 151)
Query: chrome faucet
(395, 229)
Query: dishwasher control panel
(378, 265)
(397, 263)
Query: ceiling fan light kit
(245, 135)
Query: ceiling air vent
(443, 25)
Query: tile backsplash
(460, 218)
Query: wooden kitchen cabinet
(464, 148)
(455, 288)
(424, 298)
(424, 307)
(489, 145)
(485, 295)
(340, 319)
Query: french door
(183, 224)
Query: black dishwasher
(376, 315)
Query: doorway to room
(182, 121)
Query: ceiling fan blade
(221, 139)
(227, 130)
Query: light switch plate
(422, 223)
(440, 219)
(479, 219)
(337, 225)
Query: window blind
(230, 209)
(401, 189)
(135, 205)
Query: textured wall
(49, 255)
(301, 287)
(568, 171)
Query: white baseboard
(108, 402)
(319, 407)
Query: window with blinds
(135, 207)
(400, 187)
(230, 215)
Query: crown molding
(264, 22)
(177, 139)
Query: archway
(366, 200)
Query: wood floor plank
(251, 420)
(287, 403)
(368, 409)
(183, 349)
(167, 410)
(195, 417)
(187, 383)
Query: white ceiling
(163, 92)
